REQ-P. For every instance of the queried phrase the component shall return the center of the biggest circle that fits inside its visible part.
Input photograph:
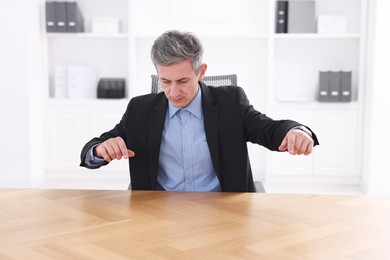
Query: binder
(301, 17)
(324, 86)
(75, 20)
(281, 16)
(61, 17)
(61, 82)
(335, 86)
(346, 86)
(50, 8)
(82, 82)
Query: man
(191, 137)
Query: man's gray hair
(175, 46)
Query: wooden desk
(79, 224)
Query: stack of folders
(335, 86)
(64, 17)
(295, 16)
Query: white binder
(61, 82)
(82, 82)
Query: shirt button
(186, 148)
(185, 126)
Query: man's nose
(175, 90)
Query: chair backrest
(216, 81)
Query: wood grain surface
(85, 224)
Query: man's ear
(202, 71)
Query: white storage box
(328, 24)
(105, 25)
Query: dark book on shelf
(324, 86)
(301, 17)
(111, 88)
(346, 86)
(75, 20)
(50, 8)
(61, 17)
(281, 16)
(335, 86)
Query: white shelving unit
(72, 122)
(279, 73)
(296, 62)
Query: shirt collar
(195, 107)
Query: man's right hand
(113, 148)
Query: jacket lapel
(156, 126)
(211, 114)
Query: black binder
(324, 86)
(61, 17)
(281, 16)
(346, 86)
(75, 20)
(335, 86)
(50, 16)
(111, 88)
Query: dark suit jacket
(230, 122)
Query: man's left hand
(296, 142)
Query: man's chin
(178, 104)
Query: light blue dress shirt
(185, 161)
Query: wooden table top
(86, 224)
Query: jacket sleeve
(261, 129)
(118, 130)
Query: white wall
(20, 117)
(377, 144)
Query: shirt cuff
(92, 160)
(304, 129)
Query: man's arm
(106, 146)
(111, 149)
(101, 154)
(87, 152)
(91, 160)
(276, 135)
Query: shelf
(266, 36)
(87, 35)
(312, 105)
(212, 36)
(86, 102)
(234, 36)
(316, 36)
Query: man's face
(180, 82)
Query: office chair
(216, 81)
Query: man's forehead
(176, 71)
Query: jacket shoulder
(223, 93)
(148, 97)
(148, 100)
